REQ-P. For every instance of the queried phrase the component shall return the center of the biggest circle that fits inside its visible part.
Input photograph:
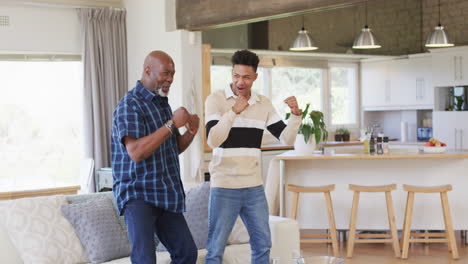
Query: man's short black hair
(245, 57)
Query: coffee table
(323, 260)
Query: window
(40, 124)
(304, 83)
(343, 95)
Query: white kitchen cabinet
(451, 127)
(375, 85)
(450, 66)
(419, 84)
(397, 83)
(398, 72)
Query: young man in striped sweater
(235, 121)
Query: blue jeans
(224, 208)
(144, 219)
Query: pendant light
(366, 40)
(439, 37)
(303, 41)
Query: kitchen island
(400, 167)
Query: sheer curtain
(104, 39)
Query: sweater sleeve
(285, 133)
(217, 123)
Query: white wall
(390, 122)
(151, 26)
(40, 29)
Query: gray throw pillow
(196, 202)
(98, 229)
(83, 198)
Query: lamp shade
(303, 42)
(438, 38)
(366, 40)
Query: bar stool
(383, 238)
(448, 236)
(331, 237)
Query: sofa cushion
(39, 231)
(197, 213)
(7, 249)
(83, 198)
(234, 254)
(196, 202)
(98, 228)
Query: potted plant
(338, 135)
(342, 134)
(311, 131)
(460, 101)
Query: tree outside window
(40, 124)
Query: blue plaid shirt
(157, 178)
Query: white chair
(87, 176)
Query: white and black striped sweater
(236, 139)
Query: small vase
(338, 137)
(346, 138)
(301, 147)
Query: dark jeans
(144, 219)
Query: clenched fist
(292, 103)
(180, 117)
(193, 124)
(240, 105)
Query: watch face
(170, 123)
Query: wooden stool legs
(392, 237)
(448, 236)
(391, 222)
(295, 202)
(407, 225)
(331, 221)
(452, 243)
(332, 236)
(352, 226)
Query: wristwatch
(170, 125)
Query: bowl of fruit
(434, 146)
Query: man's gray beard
(160, 92)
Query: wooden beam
(41, 192)
(210, 14)
(66, 3)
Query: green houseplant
(342, 134)
(312, 124)
(460, 101)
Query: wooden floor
(419, 253)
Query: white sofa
(285, 239)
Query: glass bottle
(380, 145)
(366, 144)
(372, 145)
(386, 148)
